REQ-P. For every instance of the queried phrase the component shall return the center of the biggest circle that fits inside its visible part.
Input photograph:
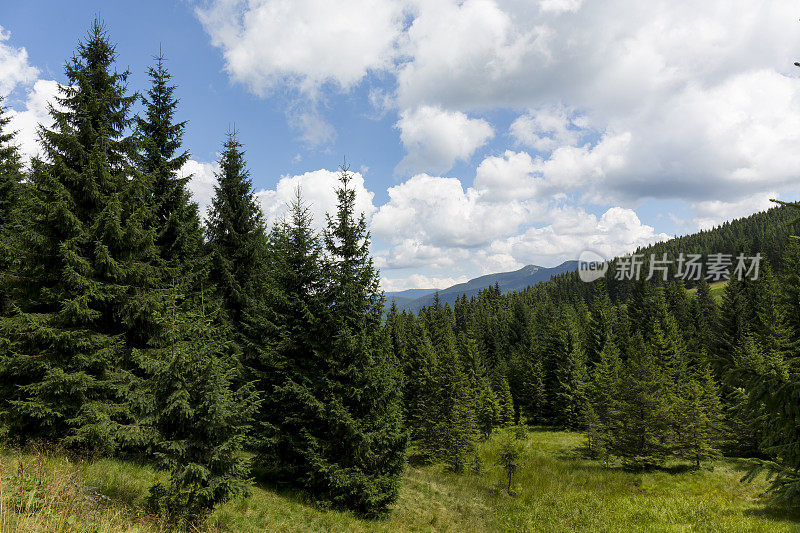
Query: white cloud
(491, 261)
(304, 43)
(315, 130)
(560, 6)
(437, 211)
(435, 139)
(547, 128)
(708, 104)
(318, 190)
(573, 230)
(585, 167)
(464, 51)
(512, 176)
(692, 99)
(420, 281)
(202, 183)
(615, 102)
(412, 253)
(36, 111)
(711, 213)
(14, 67)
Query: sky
(484, 134)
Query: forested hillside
(650, 371)
(214, 349)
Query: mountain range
(415, 299)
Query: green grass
(715, 289)
(555, 489)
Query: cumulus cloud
(202, 182)
(464, 51)
(318, 189)
(14, 67)
(702, 100)
(420, 281)
(304, 43)
(586, 167)
(711, 213)
(614, 102)
(35, 111)
(439, 212)
(412, 253)
(573, 230)
(435, 139)
(560, 6)
(512, 176)
(549, 127)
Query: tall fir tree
(288, 373)
(200, 417)
(175, 218)
(700, 418)
(639, 431)
(11, 175)
(355, 451)
(237, 244)
(448, 425)
(571, 378)
(82, 295)
(602, 397)
(527, 382)
(790, 286)
(599, 328)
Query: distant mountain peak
(415, 299)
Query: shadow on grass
(267, 480)
(776, 512)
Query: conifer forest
(188, 370)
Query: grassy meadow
(554, 489)
(716, 289)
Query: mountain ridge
(529, 275)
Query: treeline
(649, 370)
(129, 326)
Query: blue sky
(486, 134)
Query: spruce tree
(602, 398)
(488, 413)
(571, 379)
(448, 423)
(11, 174)
(175, 219)
(505, 401)
(527, 380)
(700, 419)
(85, 266)
(237, 242)
(705, 314)
(418, 366)
(790, 286)
(640, 429)
(200, 418)
(774, 392)
(288, 374)
(599, 328)
(356, 449)
(770, 326)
